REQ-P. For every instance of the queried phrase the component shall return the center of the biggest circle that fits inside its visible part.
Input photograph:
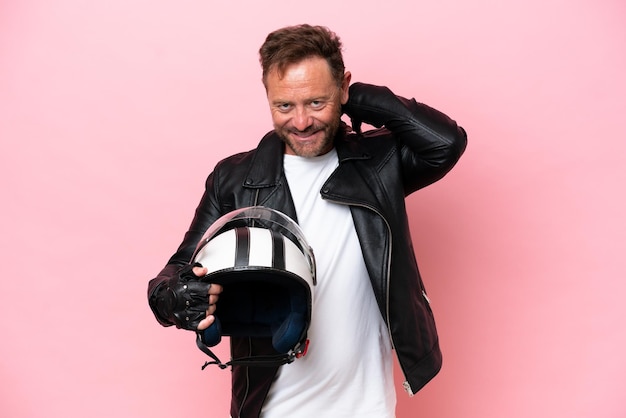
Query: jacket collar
(266, 167)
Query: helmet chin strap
(266, 361)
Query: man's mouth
(304, 135)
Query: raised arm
(430, 142)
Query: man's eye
(284, 107)
(316, 104)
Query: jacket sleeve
(206, 213)
(429, 142)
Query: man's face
(306, 106)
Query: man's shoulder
(244, 157)
(376, 142)
(266, 152)
(237, 159)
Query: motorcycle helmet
(267, 269)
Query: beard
(322, 142)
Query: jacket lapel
(266, 179)
(351, 183)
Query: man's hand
(188, 301)
(374, 105)
(214, 292)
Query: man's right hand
(188, 301)
(213, 292)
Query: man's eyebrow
(322, 98)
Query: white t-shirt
(348, 369)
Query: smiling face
(305, 102)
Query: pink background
(112, 113)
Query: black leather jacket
(377, 170)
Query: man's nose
(301, 119)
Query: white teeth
(305, 135)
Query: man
(346, 190)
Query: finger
(215, 289)
(206, 322)
(200, 271)
(210, 310)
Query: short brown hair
(293, 44)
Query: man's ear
(345, 85)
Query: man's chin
(302, 150)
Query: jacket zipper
(406, 385)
